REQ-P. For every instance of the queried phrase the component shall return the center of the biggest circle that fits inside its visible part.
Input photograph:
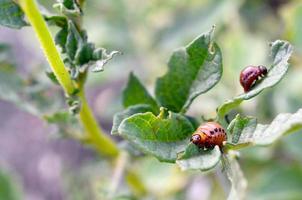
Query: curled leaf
(265, 134)
(280, 52)
(68, 7)
(99, 64)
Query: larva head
(262, 69)
(198, 138)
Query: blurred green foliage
(9, 187)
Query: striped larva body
(209, 135)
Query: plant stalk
(100, 141)
(95, 135)
(48, 45)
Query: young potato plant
(159, 125)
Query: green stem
(135, 183)
(95, 135)
(48, 45)
(100, 140)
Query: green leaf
(69, 4)
(73, 42)
(283, 124)
(197, 158)
(292, 145)
(241, 125)
(5, 53)
(125, 198)
(136, 93)
(9, 187)
(74, 103)
(61, 38)
(101, 57)
(236, 177)
(67, 124)
(280, 52)
(52, 77)
(84, 54)
(59, 117)
(156, 135)
(80, 54)
(195, 123)
(60, 21)
(69, 8)
(12, 88)
(31, 95)
(131, 110)
(193, 70)
(11, 14)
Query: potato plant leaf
(5, 53)
(69, 7)
(101, 57)
(241, 125)
(280, 52)
(136, 93)
(11, 14)
(28, 97)
(52, 77)
(13, 89)
(61, 38)
(237, 179)
(162, 137)
(192, 70)
(10, 186)
(197, 158)
(131, 110)
(60, 21)
(24, 93)
(67, 124)
(265, 134)
(81, 54)
(73, 41)
(84, 54)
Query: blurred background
(37, 162)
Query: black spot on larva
(219, 129)
(212, 132)
(215, 129)
(223, 130)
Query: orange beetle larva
(209, 135)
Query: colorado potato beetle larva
(209, 135)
